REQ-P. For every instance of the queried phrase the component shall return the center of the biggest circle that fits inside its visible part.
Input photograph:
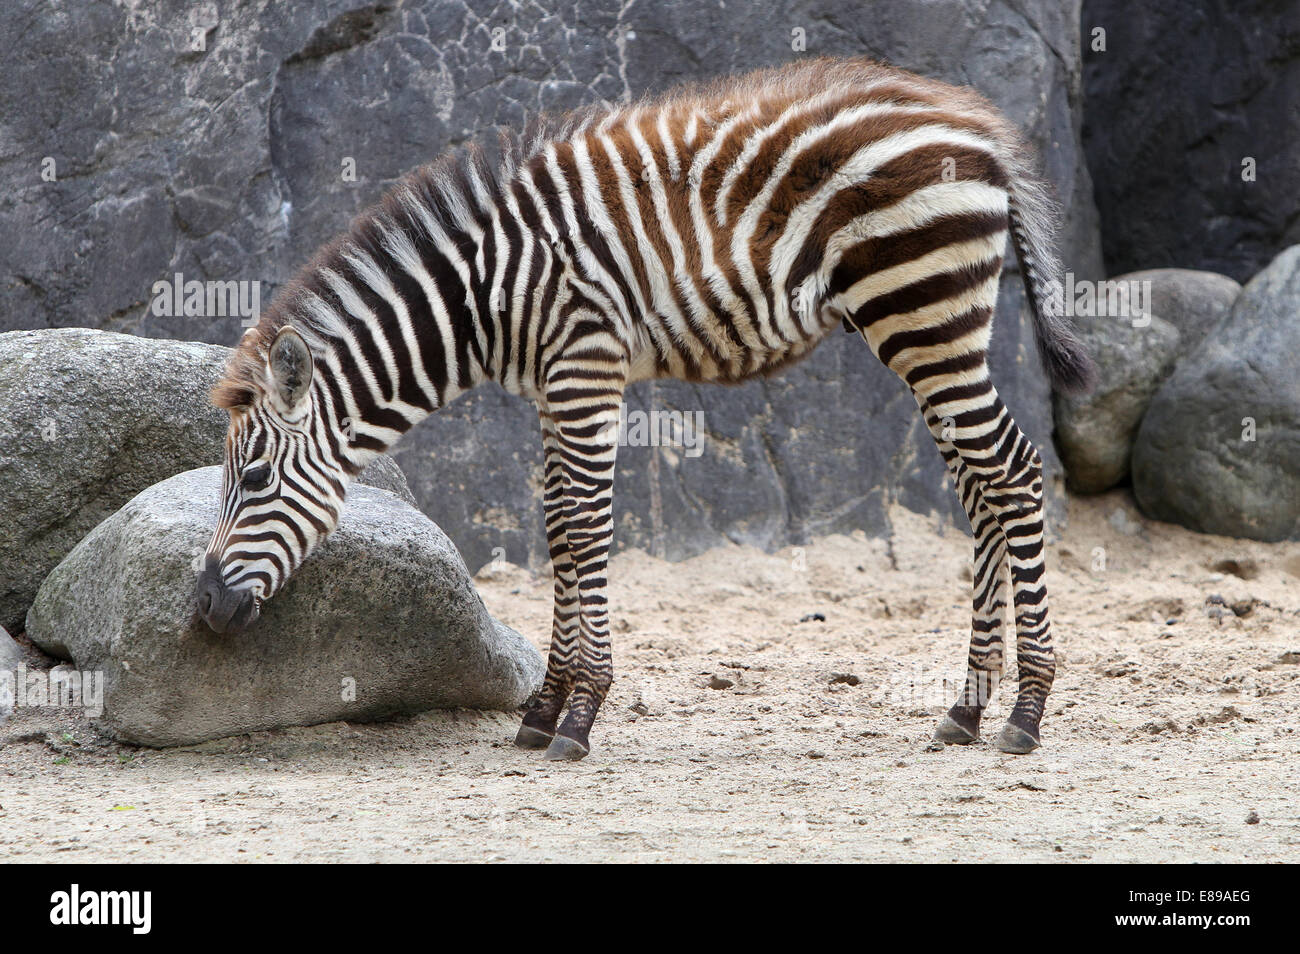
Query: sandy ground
(742, 727)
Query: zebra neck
(402, 328)
(440, 288)
(371, 395)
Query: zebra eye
(256, 477)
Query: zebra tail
(1034, 221)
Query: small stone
(1243, 608)
(1161, 726)
(1244, 568)
(1114, 670)
(1123, 523)
(720, 682)
(1252, 818)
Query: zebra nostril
(205, 603)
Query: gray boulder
(1095, 431)
(90, 419)
(1190, 300)
(1219, 448)
(383, 619)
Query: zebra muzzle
(225, 610)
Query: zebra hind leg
(930, 322)
(990, 570)
(1009, 473)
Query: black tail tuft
(1069, 367)
(1033, 218)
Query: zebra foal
(714, 234)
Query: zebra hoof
(950, 732)
(563, 749)
(530, 738)
(1015, 741)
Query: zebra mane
(449, 189)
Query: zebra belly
(768, 351)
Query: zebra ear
(291, 368)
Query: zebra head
(282, 484)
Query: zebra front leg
(990, 570)
(539, 722)
(584, 403)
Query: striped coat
(711, 235)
